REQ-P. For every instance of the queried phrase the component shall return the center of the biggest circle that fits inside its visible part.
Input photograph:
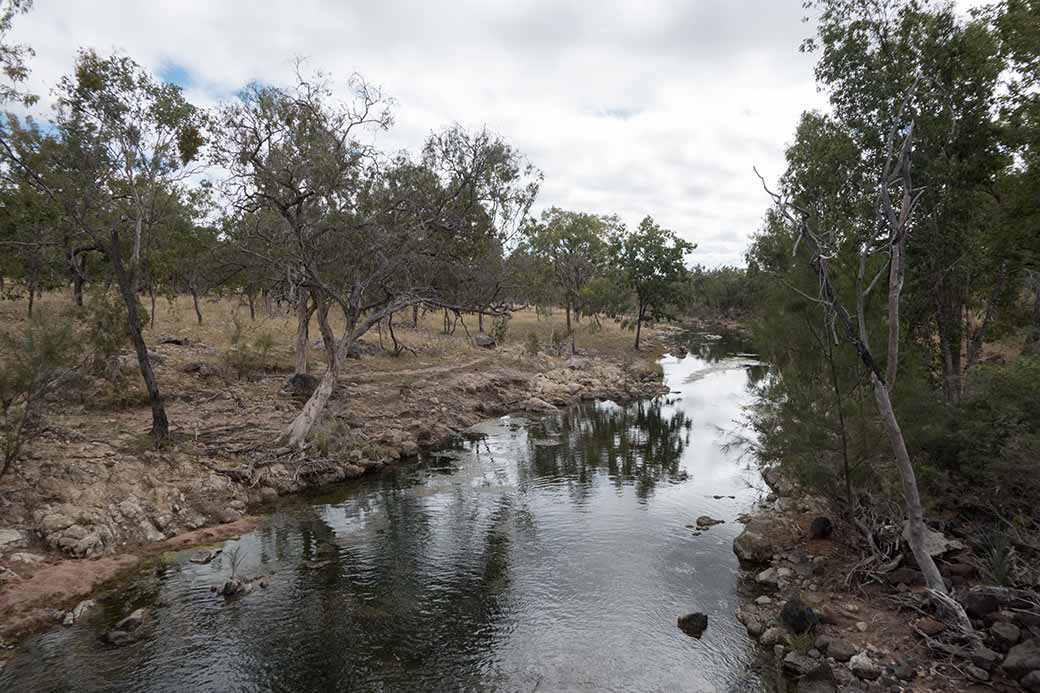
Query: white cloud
(658, 107)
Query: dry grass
(224, 318)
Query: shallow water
(534, 554)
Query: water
(544, 554)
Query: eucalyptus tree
(574, 248)
(652, 263)
(361, 229)
(123, 140)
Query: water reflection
(547, 554)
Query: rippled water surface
(537, 554)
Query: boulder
(864, 667)
(76, 614)
(768, 578)
(976, 673)
(199, 368)
(797, 616)
(799, 664)
(753, 544)
(693, 624)
(1004, 635)
(1031, 682)
(978, 603)
(485, 341)
(11, 538)
(985, 658)
(841, 650)
(1022, 659)
(935, 543)
(773, 636)
(820, 528)
(706, 521)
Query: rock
(821, 528)
(799, 664)
(797, 616)
(705, 521)
(55, 522)
(755, 628)
(935, 543)
(485, 341)
(929, 626)
(199, 368)
(763, 600)
(1004, 635)
(1031, 682)
(985, 658)
(773, 636)
(176, 341)
(753, 544)
(905, 669)
(11, 538)
(864, 667)
(1022, 659)
(768, 578)
(534, 404)
(299, 386)
(204, 557)
(862, 626)
(841, 650)
(978, 603)
(693, 624)
(976, 674)
(133, 621)
(24, 557)
(116, 637)
(74, 616)
(821, 680)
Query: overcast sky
(642, 107)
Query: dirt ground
(91, 494)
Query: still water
(534, 554)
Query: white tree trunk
(914, 510)
(301, 426)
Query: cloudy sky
(642, 107)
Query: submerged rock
(706, 521)
(693, 624)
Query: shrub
(244, 358)
(107, 332)
(33, 362)
(500, 327)
(533, 346)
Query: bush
(500, 327)
(245, 358)
(107, 332)
(533, 346)
(33, 362)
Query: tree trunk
(195, 301)
(303, 321)
(480, 322)
(639, 325)
(895, 287)
(160, 424)
(328, 339)
(1032, 345)
(32, 295)
(914, 511)
(151, 295)
(415, 316)
(252, 307)
(570, 330)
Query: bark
(480, 322)
(124, 279)
(570, 330)
(303, 321)
(328, 339)
(415, 316)
(252, 306)
(639, 324)
(32, 296)
(195, 302)
(895, 288)
(914, 510)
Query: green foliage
(532, 346)
(998, 558)
(33, 362)
(500, 328)
(107, 332)
(247, 358)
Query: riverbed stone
(773, 636)
(693, 624)
(799, 664)
(985, 658)
(1031, 682)
(1022, 659)
(1004, 635)
(708, 521)
(841, 650)
(768, 578)
(11, 538)
(753, 544)
(864, 667)
(797, 616)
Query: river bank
(92, 499)
(523, 554)
(827, 632)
